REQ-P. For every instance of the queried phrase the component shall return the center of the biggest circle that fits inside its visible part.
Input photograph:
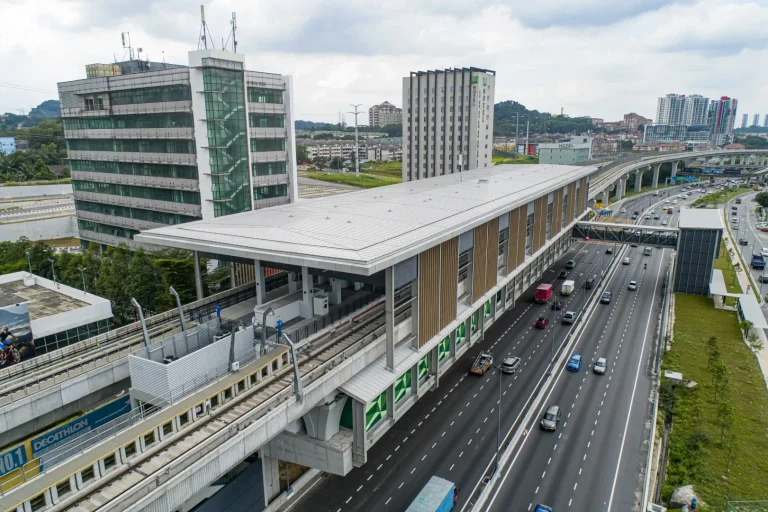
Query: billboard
(16, 334)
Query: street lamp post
(82, 273)
(498, 424)
(53, 267)
(357, 150)
(29, 261)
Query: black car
(609, 251)
(563, 274)
(606, 298)
(590, 283)
(743, 241)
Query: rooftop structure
(59, 314)
(566, 152)
(365, 232)
(700, 218)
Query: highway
(28, 210)
(756, 240)
(595, 459)
(452, 431)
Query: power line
(27, 88)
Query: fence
(335, 314)
(746, 506)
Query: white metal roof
(364, 232)
(700, 218)
(750, 310)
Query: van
(590, 283)
(647, 251)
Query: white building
(384, 114)
(447, 121)
(566, 152)
(695, 110)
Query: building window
(132, 146)
(170, 120)
(564, 211)
(150, 95)
(187, 172)
(270, 192)
(576, 204)
(266, 120)
(549, 220)
(139, 214)
(529, 235)
(265, 95)
(268, 168)
(139, 192)
(261, 145)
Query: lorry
(670, 210)
(758, 261)
(567, 287)
(543, 293)
(436, 496)
(482, 363)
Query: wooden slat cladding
(539, 222)
(571, 199)
(557, 212)
(449, 271)
(479, 260)
(492, 255)
(521, 234)
(429, 294)
(514, 240)
(583, 195)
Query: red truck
(543, 293)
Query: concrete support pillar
(293, 283)
(638, 181)
(198, 277)
(620, 188)
(674, 168)
(260, 282)
(271, 469)
(359, 437)
(306, 309)
(336, 286)
(656, 169)
(389, 316)
(232, 276)
(415, 313)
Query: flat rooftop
(42, 302)
(700, 218)
(366, 231)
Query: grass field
(389, 169)
(364, 181)
(729, 275)
(696, 454)
(719, 197)
(519, 159)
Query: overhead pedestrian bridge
(659, 236)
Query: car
(674, 202)
(600, 366)
(482, 364)
(557, 305)
(743, 241)
(574, 363)
(655, 193)
(634, 217)
(632, 286)
(652, 212)
(542, 508)
(656, 217)
(590, 283)
(570, 264)
(623, 210)
(734, 214)
(633, 245)
(609, 251)
(606, 297)
(563, 274)
(542, 323)
(551, 418)
(569, 317)
(663, 223)
(762, 278)
(625, 261)
(636, 212)
(510, 364)
(666, 202)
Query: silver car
(625, 262)
(600, 366)
(510, 364)
(632, 286)
(551, 418)
(569, 317)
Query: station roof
(366, 231)
(700, 218)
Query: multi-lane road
(747, 229)
(451, 432)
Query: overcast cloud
(601, 58)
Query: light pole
(498, 424)
(53, 267)
(357, 150)
(82, 272)
(29, 261)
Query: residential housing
(384, 114)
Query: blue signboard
(78, 426)
(12, 460)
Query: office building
(744, 120)
(152, 144)
(721, 118)
(571, 151)
(765, 121)
(384, 114)
(756, 120)
(676, 133)
(669, 109)
(447, 121)
(694, 110)
(7, 145)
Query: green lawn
(389, 169)
(729, 275)
(696, 453)
(364, 181)
(518, 159)
(720, 197)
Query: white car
(674, 202)
(600, 366)
(663, 223)
(666, 202)
(632, 286)
(623, 210)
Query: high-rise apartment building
(695, 109)
(384, 114)
(756, 120)
(669, 109)
(447, 121)
(765, 121)
(721, 118)
(158, 144)
(744, 120)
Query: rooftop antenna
(234, 32)
(204, 32)
(126, 36)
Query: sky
(600, 58)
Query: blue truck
(758, 261)
(436, 496)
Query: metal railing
(335, 314)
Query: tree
(719, 377)
(301, 153)
(724, 417)
(178, 268)
(42, 171)
(320, 162)
(713, 352)
(145, 283)
(337, 162)
(627, 145)
(762, 199)
(111, 283)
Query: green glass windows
(487, 309)
(170, 120)
(227, 140)
(187, 172)
(375, 411)
(444, 348)
(266, 120)
(157, 194)
(106, 229)
(423, 368)
(270, 192)
(461, 333)
(150, 95)
(264, 95)
(403, 386)
(261, 145)
(473, 325)
(268, 168)
(133, 213)
(133, 146)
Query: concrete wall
(35, 191)
(46, 229)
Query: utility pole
(527, 130)
(82, 272)
(357, 150)
(517, 127)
